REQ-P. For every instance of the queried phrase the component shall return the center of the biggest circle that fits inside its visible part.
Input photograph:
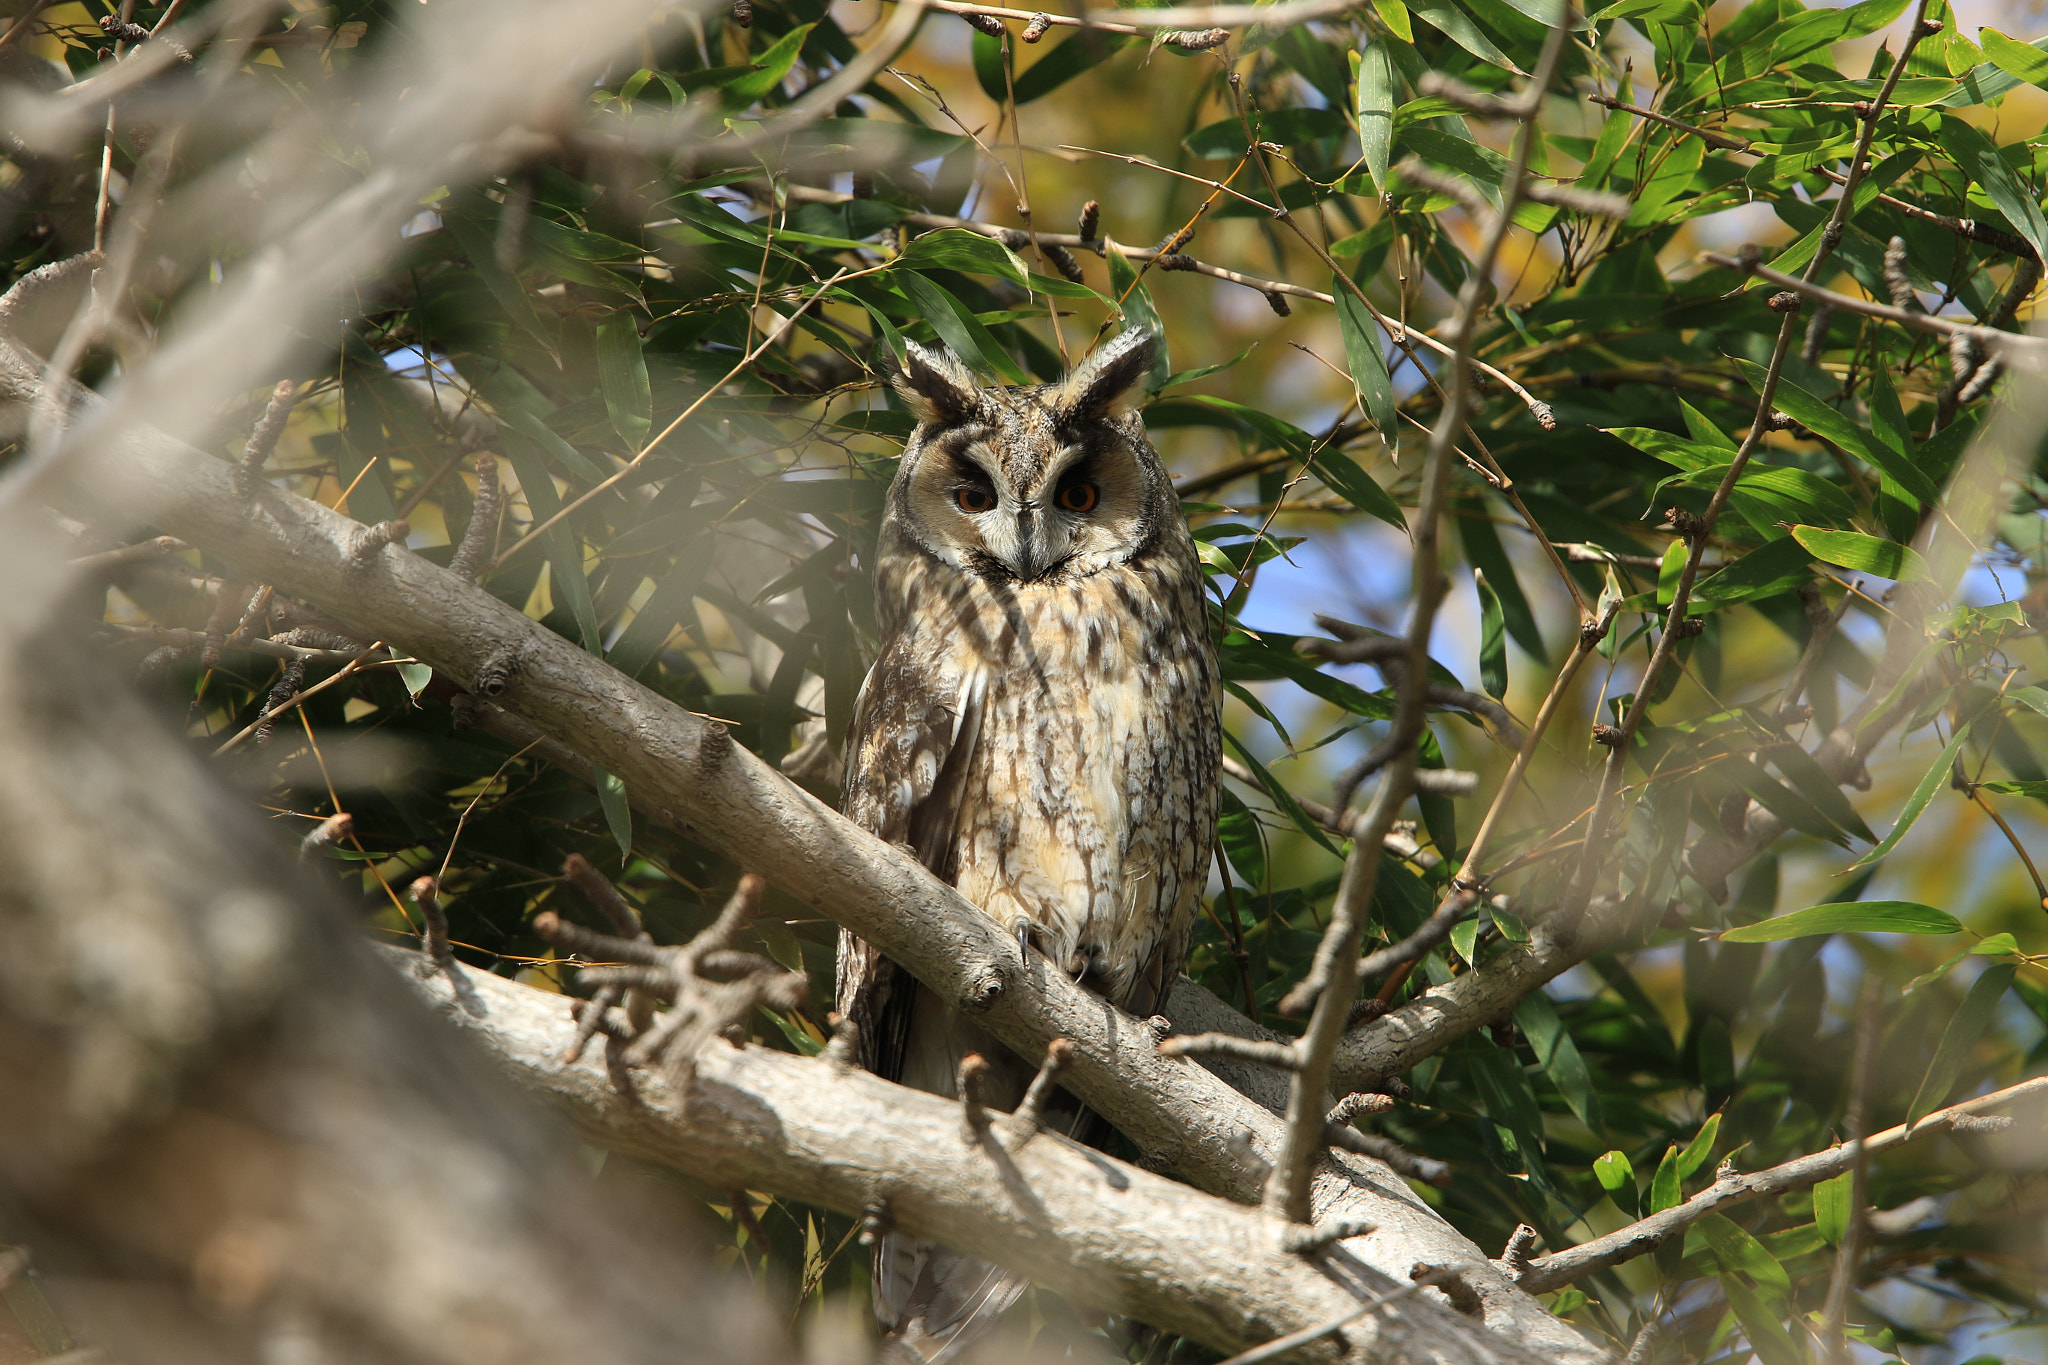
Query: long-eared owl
(1041, 726)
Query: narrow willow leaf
(957, 327)
(1865, 554)
(1831, 1208)
(1816, 416)
(1699, 1149)
(959, 249)
(1282, 798)
(1736, 1250)
(618, 815)
(1376, 113)
(622, 372)
(2019, 60)
(1493, 639)
(1666, 1190)
(1976, 154)
(1849, 917)
(1368, 362)
(1244, 844)
(1930, 783)
(1447, 19)
(1558, 1055)
(1972, 1017)
(768, 69)
(1762, 1322)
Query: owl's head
(1034, 483)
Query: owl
(1041, 726)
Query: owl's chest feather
(1090, 794)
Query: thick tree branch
(829, 1134)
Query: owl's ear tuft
(932, 382)
(1111, 381)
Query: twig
(1280, 1056)
(1432, 931)
(426, 894)
(1280, 1346)
(1138, 22)
(2012, 344)
(1514, 1258)
(1306, 1241)
(480, 536)
(1561, 1268)
(326, 834)
(1030, 1115)
(263, 437)
(1332, 981)
(1842, 1283)
(1723, 141)
(128, 554)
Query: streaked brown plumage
(1041, 727)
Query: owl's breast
(1090, 803)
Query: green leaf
(770, 69)
(1558, 1055)
(957, 327)
(1134, 301)
(1615, 1175)
(1865, 554)
(415, 676)
(1737, 1251)
(1972, 1017)
(1803, 772)
(1358, 488)
(1790, 806)
(1376, 112)
(1493, 639)
(970, 252)
(1917, 802)
(565, 559)
(1394, 15)
(1243, 841)
(1995, 946)
(1975, 153)
(1666, 1190)
(1849, 917)
(1699, 1149)
(1763, 1323)
(618, 815)
(1779, 567)
(1282, 798)
(1368, 363)
(1085, 50)
(1831, 1207)
(1452, 22)
(2018, 60)
(622, 371)
(1815, 415)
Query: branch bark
(1102, 1232)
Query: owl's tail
(932, 1301)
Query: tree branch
(1560, 1268)
(1108, 1234)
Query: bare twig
(2010, 344)
(263, 437)
(426, 894)
(1332, 980)
(1561, 1268)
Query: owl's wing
(907, 753)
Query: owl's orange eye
(1080, 497)
(972, 499)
